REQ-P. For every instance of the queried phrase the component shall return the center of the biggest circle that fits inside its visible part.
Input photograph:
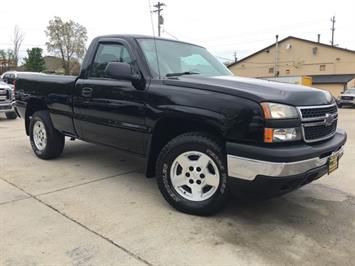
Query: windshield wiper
(180, 74)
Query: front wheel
(192, 175)
(46, 141)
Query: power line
(224, 58)
(165, 31)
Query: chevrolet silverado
(201, 129)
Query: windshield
(176, 59)
(350, 91)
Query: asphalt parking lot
(93, 206)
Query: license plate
(333, 163)
(2, 98)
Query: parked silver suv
(347, 98)
(7, 100)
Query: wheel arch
(168, 128)
(33, 105)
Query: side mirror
(118, 70)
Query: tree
(66, 39)
(17, 41)
(7, 57)
(34, 60)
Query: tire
(46, 141)
(340, 105)
(195, 188)
(11, 115)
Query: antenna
(154, 38)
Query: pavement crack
(130, 253)
(86, 183)
(16, 200)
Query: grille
(347, 97)
(4, 95)
(318, 112)
(319, 122)
(319, 132)
(6, 107)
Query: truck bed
(56, 91)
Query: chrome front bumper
(6, 107)
(249, 169)
(346, 101)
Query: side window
(11, 78)
(106, 53)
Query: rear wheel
(191, 174)
(46, 141)
(11, 115)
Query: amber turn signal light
(268, 135)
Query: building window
(315, 50)
(271, 70)
(322, 67)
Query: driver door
(110, 111)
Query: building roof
(332, 79)
(295, 38)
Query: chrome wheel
(39, 135)
(195, 176)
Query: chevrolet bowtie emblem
(329, 119)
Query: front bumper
(345, 102)
(6, 107)
(247, 162)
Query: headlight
(279, 111)
(272, 135)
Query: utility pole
(276, 71)
(235, 57)
(332, 29)
(158, 10)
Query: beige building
(331, 68)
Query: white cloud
(222, 26)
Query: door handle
(86, 92)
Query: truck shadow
(3, 119)
(302, 225)
(87, 155)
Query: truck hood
(255, 89)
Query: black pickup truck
(201, 129)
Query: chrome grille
(4, 95)
(314, 112)
(347, 97)
(318, 122)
